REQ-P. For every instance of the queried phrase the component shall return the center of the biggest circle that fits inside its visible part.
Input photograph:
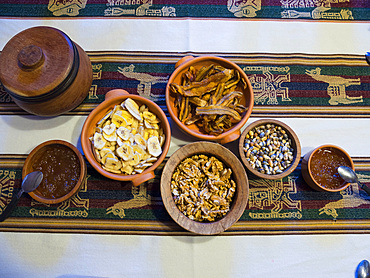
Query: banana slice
(140, 140)
(135, 159)
(143, 108)
(119, 120)
(138, 170)
(111, 138)
(106, 156)
(119, 141)
(151, 125)
(106, 116)
(127, 116)
(162, 139)
(133, 108)
(154, 147)
(99, 141)
(109, 129)
(127, 169)
(142, 165)
(123, 132)
(125, 152)
(113, 164)
(135, 123)
(104, 151)
(141, 130)
(139, 149)
(150, 117)
(150, 160)
(98, 129)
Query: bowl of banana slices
(126, 137)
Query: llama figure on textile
(337, 87)
(145, 80)
(351, 199)
(141, 199)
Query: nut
(202, 188)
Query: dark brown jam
(324, 165)
(61, 170)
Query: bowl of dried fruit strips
(210, 98)
(126, 137)
(269, 149)
(204, 187)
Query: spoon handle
(364, 187)
(9, 208)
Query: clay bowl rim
(233, 133)
(114, 97)
(240, 198)
(40, 148)
(295, 142)
(309, 172)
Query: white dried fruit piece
(113, 163)
(133, 108)
(109, 129)
(154, 147)
(140, 140)
(111, 138)
(123, 133)
(118, 119)
(104, 151)
(125, 152)
(150, 117)
(150, 125)
(99, 141)
(106, 116)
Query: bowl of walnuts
(204, 188)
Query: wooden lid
(37, 62)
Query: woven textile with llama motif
(337, 87)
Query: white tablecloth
(79, 255)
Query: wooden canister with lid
(45, 72)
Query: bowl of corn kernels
(269, 149)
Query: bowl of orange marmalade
(320, 168)
(63, 168)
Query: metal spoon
(29, 183)
(350, 176)
(363, 270)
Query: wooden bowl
(247, 99)
(239, 175)
(112, 98)
(68, 165)
(45, 72)
(322, 163)
(295, 144)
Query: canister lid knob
(30, 57)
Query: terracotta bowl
(295, 145)
(112, 98)
(319, 168)
(239, 175)
(67, 155)
(247, 99)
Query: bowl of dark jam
(63, 168)
(319, 168)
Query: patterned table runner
(332, 10)
(285, 206)
(284, 85)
